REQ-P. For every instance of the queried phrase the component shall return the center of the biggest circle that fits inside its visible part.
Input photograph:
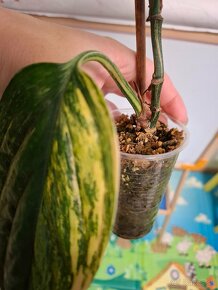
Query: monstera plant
(59, 173)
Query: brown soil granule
(146, 141)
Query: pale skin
(26, 40)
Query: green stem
(155, 7)
(112, 69)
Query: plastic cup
(138, 229)
(143, 182)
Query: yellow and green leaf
(59, 173)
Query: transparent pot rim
(161, 156)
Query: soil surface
(146, 141)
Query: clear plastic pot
(143, 182)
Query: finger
(172, 103)
(111, 105)
(114, 109)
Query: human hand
(26, 40)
